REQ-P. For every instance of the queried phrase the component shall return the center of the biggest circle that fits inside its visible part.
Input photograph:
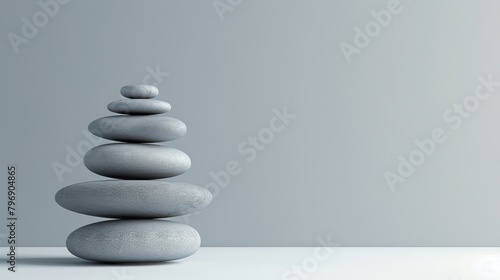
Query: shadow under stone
(73, 261)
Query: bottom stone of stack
(133, 241)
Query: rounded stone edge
(74, 232)
(99, 126)
(89, 164)
(206, 200)
(168, 108)
(139, 91)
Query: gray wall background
(322, 175)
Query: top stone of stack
(139, 91)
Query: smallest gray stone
(139, 91)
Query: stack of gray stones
(138, 199)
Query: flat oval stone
(139, 106)
(133, 241)
(139, 91)
(136, 161)
(138, 129)
(133, 199)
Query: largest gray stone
(126, 241)
(138, 129)
(128, 199)
(136, 161)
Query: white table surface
(36, 263)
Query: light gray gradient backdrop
(324, 173)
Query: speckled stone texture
(139, 197)
(139, 91)
(139, 106)
(136, 161)
(133, 199)
(124, 241)
(138, 129)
